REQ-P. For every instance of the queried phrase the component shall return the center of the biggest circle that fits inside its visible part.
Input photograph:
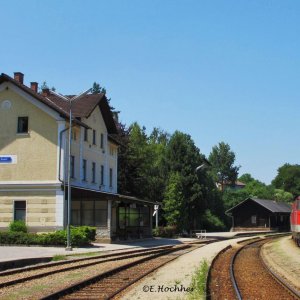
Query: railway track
(107, 285)
(112, 272)
(240, 273)
(251, 276)
(15, 276)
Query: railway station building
(33, 158)
(260, 214)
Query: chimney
(45, 92)
(19, 77)
(34, 86)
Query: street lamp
(70, 100)
(206, 164)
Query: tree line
(162, 167)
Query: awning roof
(91, 193)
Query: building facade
(260, 214)
(33, 163)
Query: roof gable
(81, 107)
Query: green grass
(28, 292)
(199, 282)
(59, 257)
(87, 254)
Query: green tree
(173, 200)
(281, 195)
(222, 160)
(182, 157)
(97, 89)
(141, 163)
(288, 179)
(257, 189)
(246, 178)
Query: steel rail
(92, 280)
(114, 258)
(208, 278)
(66, 262)
(232, 275)
(276, 277)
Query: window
(133, 216)
(110, 177)
(253, 219)
(22, 125)
(72, 166)
(20, 210)
(94, 137)
(89, 212)
(75, 212)
(144, 216)
(93, 172)
(102, 175)
(100, 213)
(74, 136)
(111, 151)
(84, 169)
(85, 134)
(101, 141)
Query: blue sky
(217, 70)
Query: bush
(166, 232)
(80, 236)
(17, 238)
(18, 226)
(90, 232)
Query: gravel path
(283, 256)
(177, 273)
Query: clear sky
(217, 70)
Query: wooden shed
(260, 214)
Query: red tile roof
(81, 107)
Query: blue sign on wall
(8, 159)
(5, 159)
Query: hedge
(80, 236)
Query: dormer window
(22, 125)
